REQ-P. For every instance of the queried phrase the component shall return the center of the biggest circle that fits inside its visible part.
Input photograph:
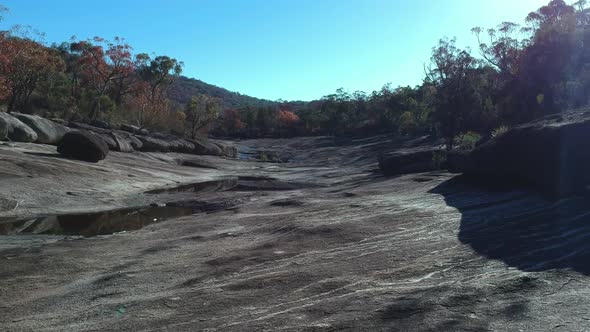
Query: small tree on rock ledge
(200, 112)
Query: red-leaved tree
(103, 64)
(231, 121)
(287, 118)
(23, 64)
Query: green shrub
(467, 141)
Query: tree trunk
(10, 107)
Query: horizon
(247, 48)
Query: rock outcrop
(551, 154)
(457, 161)
(15, 129)
(416, 160)
(3, 131)
(123, 144)
(229, 151)
(101, 124)
(203, 147)
(150, 144)
(130, 129)
(32, 128)
(135, 142)
(107, 137)
(48, 132)
(83, 145)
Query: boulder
(130, 129)
(551, 154)
(60, 121)
(229, 151)
(83, 126)
(135, 142)
(3, 131)
(15, 129)
(150, 144)
(175, 145)
(144, 132)
(108, 139)
(83, 145)
(185, 146)
(123, 144)
(162, 136)
(203, 147)
(101, 124)
(48, 132)
(104, 134)
(412, 160)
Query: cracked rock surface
(343, 249)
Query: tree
(504, 49)
(159, 72)
(200, 112)
(407, 123)
(147, 106)
(23, 64)
(232, 124)
(53, 94)
(149, 87)
(4, 65)
(582, 12)
(450, 72)
(102, 64)
(556, 13)
(265, 120)
(287, 118)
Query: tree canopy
(520, 72)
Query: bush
(467, 141)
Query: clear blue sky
(289, 49)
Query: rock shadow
(521, 228)
(47, 154)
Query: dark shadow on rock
(520, 228)
(287, 202)
(47, 154)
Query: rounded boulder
(16, 130)
(48, 132)
(82, 145)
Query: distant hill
(184, 88)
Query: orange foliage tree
(23, 64)
(103, 64)
(148, 105)
(231, 121)
(287, 118)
